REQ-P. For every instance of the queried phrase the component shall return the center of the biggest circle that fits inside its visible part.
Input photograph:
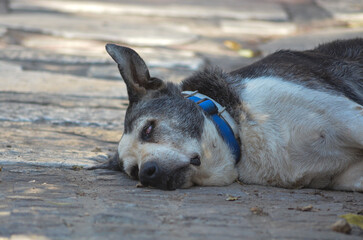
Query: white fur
(218, 164)
(293, 136)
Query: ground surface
(62, 104)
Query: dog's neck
(215, 84)
(225, 124)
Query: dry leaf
(258, 211)
(354, 219)
(77, 168)
(239, 182)
(139, 185)
(341, 226)
(232, 198)
(355, 24)
(244, 52)
(235, 46)
(97, 149)
(248, 53)
(307, 208)
(1, 168)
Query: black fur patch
(215, 84)
(335, 67)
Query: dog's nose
(150, 174)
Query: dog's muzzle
(151, 174)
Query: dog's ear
(134, 72)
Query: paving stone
(44, 112)
(259, 28)
(30, 55)
(306, 12)
(4, 6)
(2, 31)
(242, 9)
(116, 29)
(63, 101)
(55, 145)
(19, 53)
(74, 116)
(311, 40)
(348, 10)
(46, 49)
(42, 82)
(61, 204)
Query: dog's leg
(351, 179)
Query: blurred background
(174, 37)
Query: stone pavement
(62, 105)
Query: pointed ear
(134, 72)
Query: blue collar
(220, 119)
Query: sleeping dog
(293, 119)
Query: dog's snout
(150, 174)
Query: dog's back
(336, 67)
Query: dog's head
(168, 141)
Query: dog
(293, 119)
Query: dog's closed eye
(195, 160)
(147, 131)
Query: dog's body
(299, 118)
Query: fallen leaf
(97, 149)
(355, 24)
(139, 185)
(231, 198)
(77, 168)
(248, 53)
(1, 168)
(307, 208)
(341, 226)
(239, 182)
(354, 219)
(258, 211)
(235, 46)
